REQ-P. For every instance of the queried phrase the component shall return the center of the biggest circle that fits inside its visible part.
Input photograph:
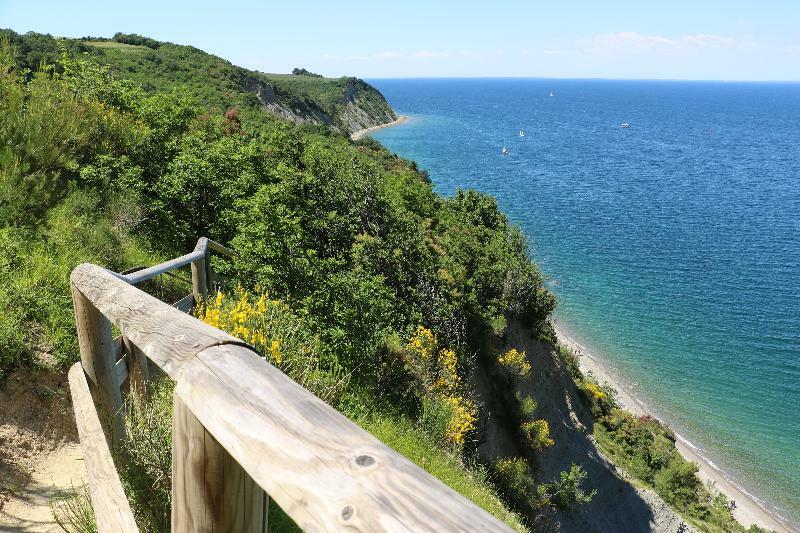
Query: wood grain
(210, 491)
(99, 358)
(111, 508)
(325, 472)
(164, 334)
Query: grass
(73, 512)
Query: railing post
(138, 372)
(200, 279)
(210, 490)
(98, 361)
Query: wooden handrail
(324, 471)
(200, 251)
(167, 336)
(242, 429)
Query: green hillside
(346, 104)
(352, 276)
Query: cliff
(345, 104)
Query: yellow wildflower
(275, 351)
(515, 362)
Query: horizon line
(578, 78)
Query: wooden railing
(243, 432)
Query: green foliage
(350, 237)
(514, 478)
(566, 492)
(303, 72)
(646, 449)
(146, 457)
(73, 512)
(135, 40)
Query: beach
(366, 131)
(748, 509)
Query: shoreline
(749, 510)
(356, 135)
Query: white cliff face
(360, 107)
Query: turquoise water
(673, 245)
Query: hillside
(344, 104)
(420, 317)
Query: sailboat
(551, 92)
(521, 133)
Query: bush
(282, 337)
(515, 363)
(537, 434)
(566, 493)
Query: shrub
(515, 363)
(566, 492)
(537, 434)
(677, 482)
(281, 336)
(146, 456)
(444, 394)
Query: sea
(673, 245)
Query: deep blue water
(673, 246)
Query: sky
(650, 39)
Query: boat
(624, 125)
(551, 92)
(521, 133)
(505, 150)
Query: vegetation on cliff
(346, 104)
(645, 448)
(353, 276)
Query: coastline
(356, 135)
(749, 510)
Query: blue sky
(674, 39)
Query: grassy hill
(345, 104)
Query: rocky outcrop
(309, 112)
(360, 106)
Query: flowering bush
(594, 391)
(270, 326)
(515, 363)
(537, 433)
(447, 407)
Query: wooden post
(200, 280)
(138, 372)
(97, 357)
(210, 490)
(209, 272)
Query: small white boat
(521, 133)
(624, 125)
(551, 92)
(505, 150)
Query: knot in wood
(364, 461)
(348, 512)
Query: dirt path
(39, 455)
(29, 508)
